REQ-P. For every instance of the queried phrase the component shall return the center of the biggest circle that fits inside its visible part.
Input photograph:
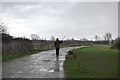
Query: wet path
(39, 65)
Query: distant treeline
(14, 45)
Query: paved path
(39, 65)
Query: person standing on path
(57, 46)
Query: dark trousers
(57, 52)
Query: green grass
(95, 62)
(17, 55)
(0, 58)
(14, 56)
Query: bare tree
(72, 39)
(34, 37)
(3, 28)
(105, 39)
(108, 36)
(52, 38)
(96, 38)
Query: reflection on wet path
(57, 66)
(39, 65)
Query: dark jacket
(57, 43)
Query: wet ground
(39, 65)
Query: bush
(116, 43)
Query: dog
(71, 54)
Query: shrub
(116, 43)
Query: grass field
(94, 62)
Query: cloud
(72, 19)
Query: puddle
(31, 71)
(57, 66)
(50, 52)
(62, 59)
(47, 70)
(44, 70)
(59, 59)
(19, 72)
(46, 60)
(51, 71)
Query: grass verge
(94, 62)
(14, 56)
(17, 55)
(0, 59)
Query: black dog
(70, 52)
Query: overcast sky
(58, 19)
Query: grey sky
(70, 19)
